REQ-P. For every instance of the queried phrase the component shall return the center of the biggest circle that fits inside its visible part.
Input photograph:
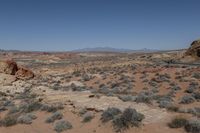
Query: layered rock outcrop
(10, 67)
(24, 73)
(194, 49)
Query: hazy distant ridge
(109, 49)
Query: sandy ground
(52, 70)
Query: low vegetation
(55, 116)
(109, 114)
(62, 125)
(122, 120)
(129, 118)
(178, 122)
(191, 126)
(87, 117)
(187, 99)
(26, 118)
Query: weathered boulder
(24, 73)
(194, 49)
(8, 67)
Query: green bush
(26, 118)
(193, 126)
(129, 118)
(9, 121)
(88, 116)
(109, 114)
(178, 122)
(55, 116)
(187, 99)
(62, 125)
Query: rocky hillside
(194, 49)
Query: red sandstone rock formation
(10, 67)
(194, 49)
(24, 73)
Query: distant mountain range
(2, 50)
(109, 49)
(96, 49)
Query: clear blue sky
(73, 24)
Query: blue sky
(52, 25)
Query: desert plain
(100, 92)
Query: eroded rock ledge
(10, 67)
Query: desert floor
(82, 86)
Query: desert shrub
(190, 90)
(162, 78)
(102, 85)
(194, 83)
(78, 88)
(26, 94)
(73, 86)
(62, 125)
(176, 88)
(9, 120)
(178, 77)
(130, 117)
(126, 98)
(2, 94)
(76, 73)
(30, 106)
(116, 90)
(82, 111)
(29, 101)
(145, 80)
(144, 97)
(88, 116)
(172, 84)
(4, 102)
(104, 77)
(13, 110)
(195, 111)
(177, 73)
(187, 99)
(109, 114)
(52, 108)
(196, 75)
(165, 103)
(153, 83)
(57, 87)
(115, 84)
(104, 90)
(178, 122)
(8, 103)
(173, 108)
(55, 116)
(154, 90)
(2, 108)
(196, 95)
(86, 77)
(193, 126)
(66, 88)
(171, 94)
(26, 118)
